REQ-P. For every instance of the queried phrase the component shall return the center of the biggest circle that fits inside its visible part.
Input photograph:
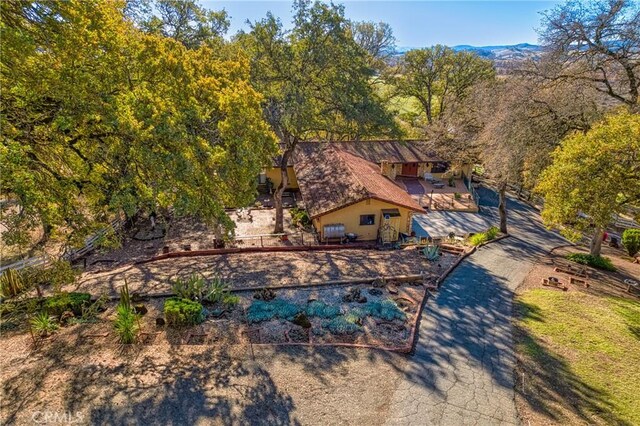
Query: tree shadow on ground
(181, 389)
(547, 383)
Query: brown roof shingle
(331, 178)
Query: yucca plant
(11, 283)
(43, 324)
(126, 323)
(432, 253)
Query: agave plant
(432, 253)
(43, 324)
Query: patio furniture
(429, 178)
(438, 185)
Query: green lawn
(581, 354)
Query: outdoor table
(438, 185)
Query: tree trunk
(279, 192)
(502, 207)
(596, 241)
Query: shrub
(126, 324)
(492, 233)
(90, 312)
(43, 324)
(299, 217)
(263, 311)
(180, 312)
(61, 302)
(11, 283)
(322, 310)
(342, 325)
(57, 275)
(631, 241)
(386, 309)
(477, 239)
(590, 260)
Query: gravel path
(462, 370)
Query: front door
(409, 169)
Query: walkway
(462, 370)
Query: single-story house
(351, 188)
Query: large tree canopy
(315, 80)
(597, 41)
(438, 77)
(593, 176)
(99, 118)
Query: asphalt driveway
(462, 369)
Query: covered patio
(439, 195)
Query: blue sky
(420, 23)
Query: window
(367, 219)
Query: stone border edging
(274, 249)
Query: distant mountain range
(512, 52)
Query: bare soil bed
(258, 270)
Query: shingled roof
(376, 151)
(331, 178)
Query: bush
(342, 325)
(631, 241)
(322, 310)
(483, 237)
(386, 309)
(180, 312)
(590, 260)
(263, 311)
(43, 324)
(477, 239)
(57, 275)
(299, 217)
(61, 302)
(492, 233)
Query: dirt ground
(601, 284)
(102, 383)
(256, 269)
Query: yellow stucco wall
(350, 218)
(273, 173)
